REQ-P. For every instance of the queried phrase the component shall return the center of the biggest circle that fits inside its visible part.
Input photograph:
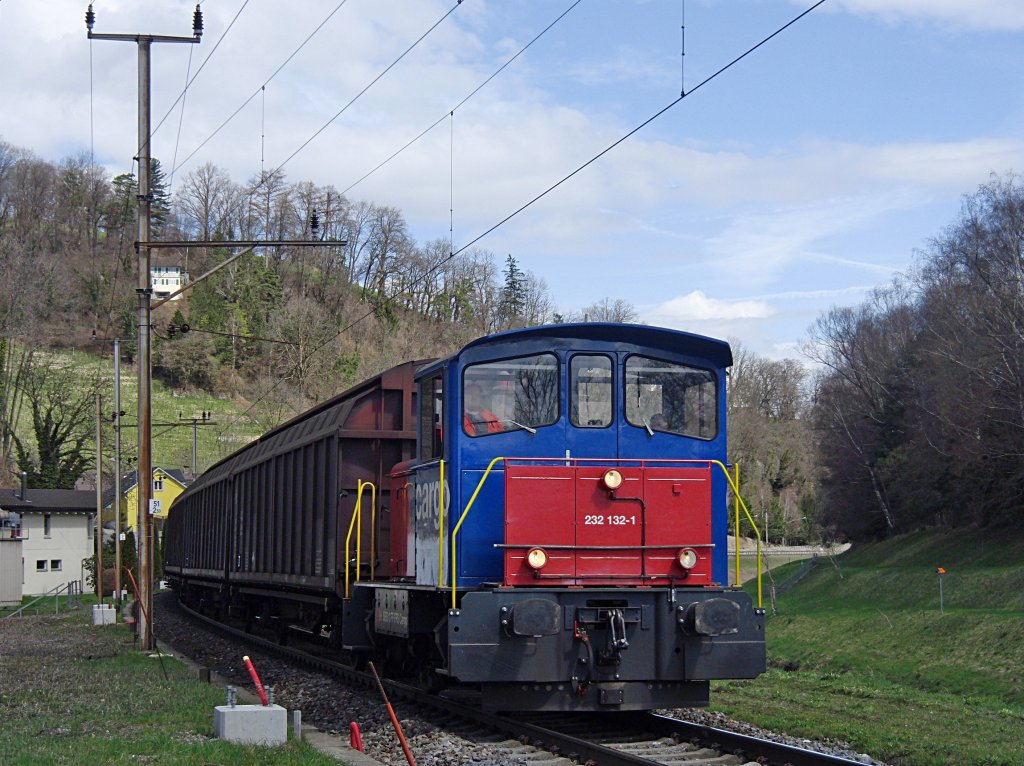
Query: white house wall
(70, 543)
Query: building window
(55, 565)
(158, 484)
(46, 525)
(41, 565)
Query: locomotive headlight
(612, 479)
(537, 558)
(687, 558)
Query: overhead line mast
(144, 291)
(143, 246)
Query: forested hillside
(919, 407)
(909, 412)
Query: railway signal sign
(941, 571)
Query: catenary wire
(265, 177)
(373, 82)
(477, 89)
(263, 86)
(543, 194)
(200, 69)
(181, 119)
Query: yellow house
(167, 485)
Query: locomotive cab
(569, 507)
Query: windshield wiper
(520, 425)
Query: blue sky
(804, 176)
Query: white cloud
(979, 14)
(696, 306)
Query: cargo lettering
(427, 514)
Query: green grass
(172, 440)
(863, 653)
(71, 693)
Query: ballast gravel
(332, 706)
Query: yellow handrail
(736, 506)
(736, 493)
(373, 528)
(440, 529)
(462, 518)
(357, 523)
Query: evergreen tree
(513, 295)
(160, 206)
(126, 189)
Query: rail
(356, 523)
(734, 484)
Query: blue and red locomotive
(541, 515)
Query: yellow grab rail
(736, 507)
(735, 484)
(373, 528)
(357, 524)
(440, 529)
(462, 518)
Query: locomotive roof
(712, 349)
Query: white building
(53, 536)
(166, 280)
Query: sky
(810, 172)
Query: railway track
(631, 739)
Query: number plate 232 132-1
(610, 520)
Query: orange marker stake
(394, 718)
(255, 679)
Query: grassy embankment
(172, 438)
(862, 653)
(71, 693)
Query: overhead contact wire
(273, 173)
(370, 85)
(265, 84)
(200, 69)
(635, 130)
(477, 89)
(512, 215)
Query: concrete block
(251, 724)
(103, 614)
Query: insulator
(90, 18)
(197, 22)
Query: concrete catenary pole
(99, 499)
(117, 469)
(144, 626)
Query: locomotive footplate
(603, 649)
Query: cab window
(590, 391)
(671, 397)
(510, 395)
(431, 413)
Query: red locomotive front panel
(540, 517)
(609, 526)
(678, 499)
(591, 524)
